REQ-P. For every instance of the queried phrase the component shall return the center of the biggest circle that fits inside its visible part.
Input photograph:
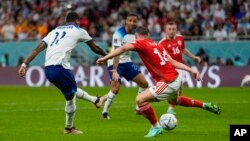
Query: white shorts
(182, 74)
(166, 91)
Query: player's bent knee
(144, 85)
(115, 91)
(69, 97)
(139, 101)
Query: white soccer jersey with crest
(121, 37)
(61, 41)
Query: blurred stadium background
(216, 30)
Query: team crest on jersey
(115, 40)
(179, 43)
(169, 45)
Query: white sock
(70, 109)
(111, 97)
(139, 91)
(85, 96)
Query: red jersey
(155, 60)
(174, 47)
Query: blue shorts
(126, 70)
(62, 78)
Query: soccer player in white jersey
(122, 66)
(58, 44)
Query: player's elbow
(172, 61)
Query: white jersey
(61, 41)
(121, 37)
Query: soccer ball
(168, 121)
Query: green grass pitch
(37, 114)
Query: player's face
(77, 22)
(171, 31)
(131, 23)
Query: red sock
(149, 113)
(189, 102)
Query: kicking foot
(212, 108)
(154, 131)
(99, 101)
(105, 115)
(72, 130)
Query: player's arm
(95, 48)
(197, 59)
(116, 52)
(115, 66)
(22, 70)
(182, 66)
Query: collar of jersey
(77, 26)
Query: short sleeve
(84, 36)
(137, 45)
(46, 40)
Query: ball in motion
(168, 121)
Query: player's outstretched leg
(212, 108)
(189, 102)
(98, 101)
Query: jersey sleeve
(84, 36)
(46, 39)
(117, 40)
(137, 45)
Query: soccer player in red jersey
(174, 44)
(168, 82)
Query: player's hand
(197, 59)
(101, 61)
(22, 71)
(115, 75)
(196, 75)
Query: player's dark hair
(72, 16)
(171, 23)
(142, 30)
(131, 15)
